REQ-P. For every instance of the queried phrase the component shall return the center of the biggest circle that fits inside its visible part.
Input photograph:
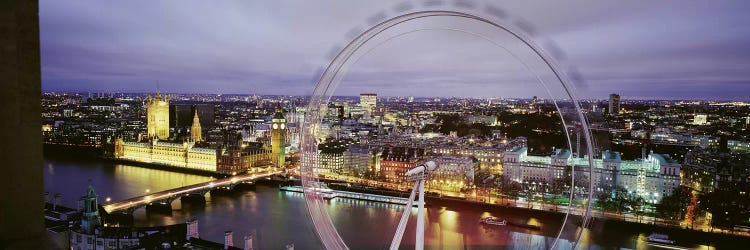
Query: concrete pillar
(22, 223)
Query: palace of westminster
(191, 153)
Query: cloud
(695, 50)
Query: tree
(508, 187)
(619, 200)
(605, 202)
(636, 203)
(674, 206)
(560, 186)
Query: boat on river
(493, 221)
(660, 238)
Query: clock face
(282, 126)
(275, 126)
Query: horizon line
(622, 98)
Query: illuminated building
(195, 130)
(357, 160)
(711, 170)
(278, 138)
(700, 119)
(738, 146)
(157, 110)
(698, 175)
(182, 155)
(614, 104)
(489, 120)
(329, 162)
(334, 114)
(453, 173)
(256, 157)
(651, 178)
(342, 158)
(239, 156)
(368, 102)
(397, 160)
(490, 158)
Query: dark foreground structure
(22, 225)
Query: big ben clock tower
(278, 138)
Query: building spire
(196, 133)
(90, 219)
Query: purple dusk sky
(640, 49)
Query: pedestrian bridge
(170, 195)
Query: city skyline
(220, 124)
(95, 94)
(690, 53)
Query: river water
(278, 218)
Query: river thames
(277, 218)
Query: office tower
(368, 102)
(614, 104)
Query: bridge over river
(167, 196)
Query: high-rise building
(614, 104)
(368, 102)
(278, 138)
(411, 99)
(158, 116)
(195, 130)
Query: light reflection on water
(109, 180)
(277, 218)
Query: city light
(531, 155)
